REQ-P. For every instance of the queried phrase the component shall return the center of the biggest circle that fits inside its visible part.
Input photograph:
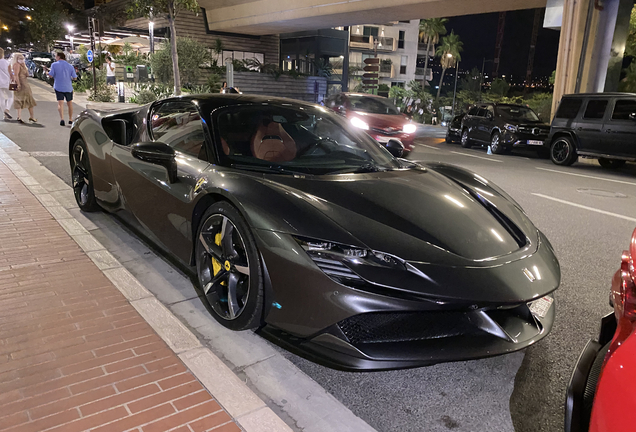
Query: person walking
(23, 98)
(63, 73)
(110, 71)
(6, 77)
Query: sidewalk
(84, 348)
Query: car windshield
(372, 105)
(292, 140)
(519, 113)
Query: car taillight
(624, 297)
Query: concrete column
(591, 46)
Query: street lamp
(455, 89)
(28, 17)
(70, 28)
(151, 32)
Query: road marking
(48, 153)
(431, 147)
(616, 215)
(587, 176)
(475, 156)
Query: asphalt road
(588, 214)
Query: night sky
(479, 34)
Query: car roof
(600, 95)
(216, 100)
(362, 94)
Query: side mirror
(159, 154)
(395, 147)
(633, 116)
(340, 109)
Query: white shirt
(5, 78)
(108, 71)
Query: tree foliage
(449, 53)
(499, 87)
(47, 22)
(192, 56)
(431, 29)
(630, 47)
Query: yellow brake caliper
(216, 266)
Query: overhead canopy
(135, 41)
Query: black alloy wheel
(228, 268)
(495, 144)
(611, 163)
(448, 139)
(563, 152)
(82, 179)
(466, 143)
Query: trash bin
(141, 74)
(129, 74)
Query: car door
(481, 121)
(470, 120)
(620, 129)
(163, 207)
(487, 123)
(590, 126)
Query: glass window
(595, 109)
(297, 139)
(490, 109)
(179, 125)
(372, 105)
(473, 111)
(569, 108)
(518, 113)
(370, 31)
(482, 112)
(401, 39)
(623, 108)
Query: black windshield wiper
(366, 168)
(269, 169)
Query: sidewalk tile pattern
(74, 354)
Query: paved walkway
(74, 353)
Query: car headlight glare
(409, 128)
(511, 127)
(359, 123)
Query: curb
(248, 410)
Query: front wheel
(563, 152)
(466, 142)
(495, 144)
(229, 268)
(82, 178)
(611, 163)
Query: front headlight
(511, 127)
(359, 123)
(409, 128)
(338, 261)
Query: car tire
(448, 139)
(466, 142)
(495, 144)
(611, 163)
(563, 152)
(223, 262)
(82, 177)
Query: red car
(377, 115)
(602, 390)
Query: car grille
(335, 269)
(379, 327)
(390, 131)
(534, 130)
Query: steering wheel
(319, 143)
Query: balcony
(367, 43)
(421, 50)
(419, 72)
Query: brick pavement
(74, 354)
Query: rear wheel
(82, 178)
(495, 144)
(563, 152)
(229, 268)
(611, 163)
(466, 142)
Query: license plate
(534, 142)
(541, 307)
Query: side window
(179, 125)
(623, 108)
(473, 111)
(569, 108)
(482, 112)
(490, 109)
(595, 109)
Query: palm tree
(448, 52)
(430, 31)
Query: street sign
(374, 68)
(372, 60)
(370, 81)
(89, 56)
(370, 75)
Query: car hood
(418, 215)
(382, 121)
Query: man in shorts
(63, 73)
(110, 71)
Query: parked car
(377, 116)
(454, 129)
(296, 222)
(504, 127)
(602, 390)
(594, 125)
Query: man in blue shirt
(63, 73)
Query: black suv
(594, 125)
(504, 126)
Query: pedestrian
(110, 71)
(409, 111)
(6, 78)
(64, 74)
(434, 118)
(23, 98)
(223, 87)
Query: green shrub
(192, 56)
